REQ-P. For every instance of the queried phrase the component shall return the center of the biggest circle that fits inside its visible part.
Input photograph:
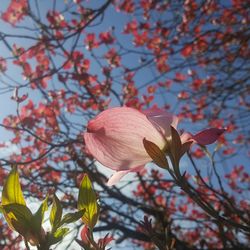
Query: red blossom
(56, 20)
(179, 77)
(187, 50)
(91, 41)
(198, 153)
(131, 27)
(161, 63)
(106, 38)
(183, 95)
(15, 12)
(127, 6)
(140, 39)
(113, 58)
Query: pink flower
(205, 137)
(115, 137)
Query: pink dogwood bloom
(115, 137)
(204, 137)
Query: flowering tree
(63, 63)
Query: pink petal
(208, 136)
(186, 137)
(162, 120)
(116, 177)
(115, 138)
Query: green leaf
(20, 211)
(58, 235)
(55, 214)
(1, 209)
(72, 217)
(156, 154)
(20, 227)
(19, 217)
(12, 192)
(176, 152)
(87, 201)
(176, 146)
(39, 215)
(185, 147)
